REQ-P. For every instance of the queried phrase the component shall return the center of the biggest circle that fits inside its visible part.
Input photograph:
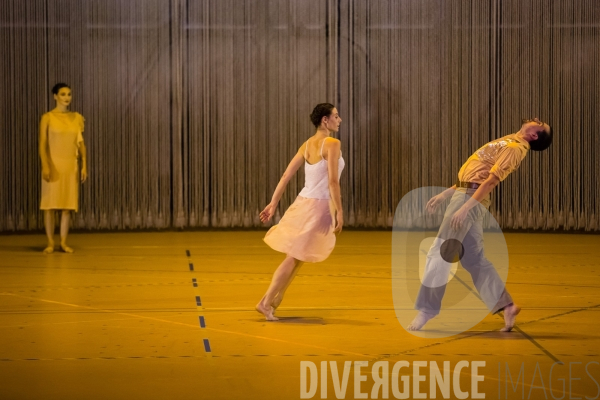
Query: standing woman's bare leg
(64, 230)
(282, 275)
(49, 225)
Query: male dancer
(463, 218)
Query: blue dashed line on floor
(201, 319)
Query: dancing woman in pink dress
(306, 232)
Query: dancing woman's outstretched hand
(266, 214)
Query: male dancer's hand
(458, 218)
(266, 214)
(435, 202)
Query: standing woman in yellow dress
(60, 146)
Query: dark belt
(468, 185)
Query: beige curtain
(194, 108)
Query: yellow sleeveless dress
(64, 138)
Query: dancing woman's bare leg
(49, 225)
(64, 230)
(279, 296)
(282, 277)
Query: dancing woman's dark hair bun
(320, 111)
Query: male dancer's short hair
(543, 141)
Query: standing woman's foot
(66, 248)
(49, 249)
(266, 311)
(510, 315)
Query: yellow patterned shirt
(499, 157)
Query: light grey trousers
(488, 283)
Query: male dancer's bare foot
(510, 314)
(267, 312)
(419, 321)
(66, 248)
(49, 249)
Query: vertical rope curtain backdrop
(194, 108)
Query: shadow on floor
(320, 321)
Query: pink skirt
(305, 231)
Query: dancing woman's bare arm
(333, 150)
(291, 169)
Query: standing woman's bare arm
(333, 150)
(82, 149)
(43, 148)
(291, 169)
(83, 152)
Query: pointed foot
(510, 315)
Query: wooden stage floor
(121, 319)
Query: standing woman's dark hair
(320, 111)
(56, 88)
(60, 148)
